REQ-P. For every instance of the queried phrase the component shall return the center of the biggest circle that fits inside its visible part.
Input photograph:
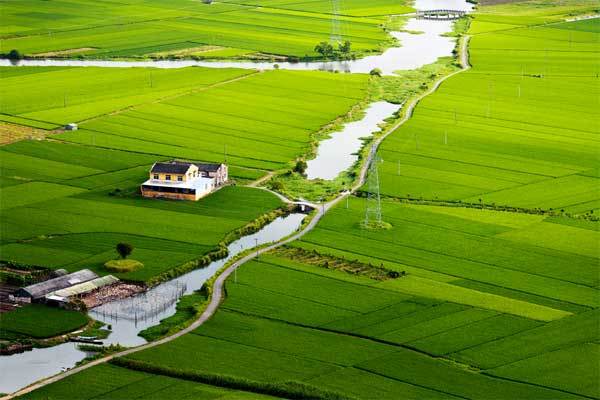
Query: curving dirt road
(219, 284)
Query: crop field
(141, 28)
(59, 208)
(61, 213)
(254, 120)
(40, 322)
(284, 320)
(112, 382)
(518, 129)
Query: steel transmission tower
(373, 211)
(336, 30)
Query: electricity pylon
(336, 31)
(373, 211)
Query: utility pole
(256, 245)
(398, 167)
(446, 136)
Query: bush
(123, 265)
(376, 72)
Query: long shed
(41, 289)
(85, 287)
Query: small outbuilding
(38, 291)
(71, 127)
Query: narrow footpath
(218, 288)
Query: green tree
(376, 72)
(345, 47)
(15, 54)
(300, 167)
(325, 49)
(124, 249)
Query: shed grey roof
(41, 289)
(85, 287)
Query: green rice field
(59, 207)
(111, 382)
(38, 321)
(157, 27)
(471, 290)
(518, 129)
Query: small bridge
(440, 14)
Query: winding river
(333, 156)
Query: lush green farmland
(60, 198)
(39, 322)
(142, 28)
(262, 120)
(285, 320)
(518, 129)
(111, 382)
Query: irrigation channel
(129, 316)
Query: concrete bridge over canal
(441, 14)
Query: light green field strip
(580, 241)
(507, 219)
(574, 369)
(34, 192)
(448, 292)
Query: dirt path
(218, 294)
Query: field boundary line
(174, 96)
(219, 284)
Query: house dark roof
(181, 167)
(174, 167)
(208, 167)
(41, 289)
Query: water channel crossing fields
(482, 284)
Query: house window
(179, 178)
(168, 177)
(156, 176)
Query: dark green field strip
(414, 368)
(519, 295)
(110, 382)
(39, 321)
(573, 369)
(263, 334)
(579, 328)
(473, 334)
(365, 385)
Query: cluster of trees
(327, 49)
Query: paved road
(219, 284)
